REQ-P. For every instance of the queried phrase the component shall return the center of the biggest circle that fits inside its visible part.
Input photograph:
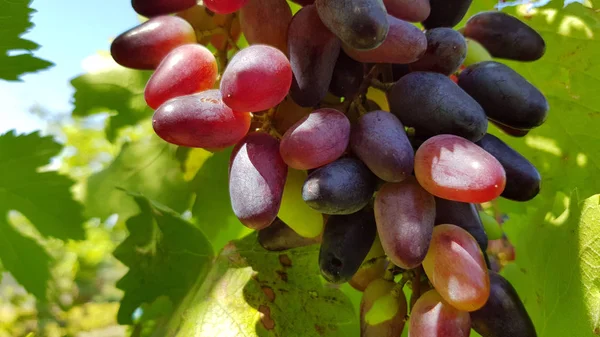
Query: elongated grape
(287, 114)
(380, 141)
(268, 27)
(294, 211)
(432, 316)
(224, 6)
(446, 13)
(522, 178)
(405, 215)
(257, 177)
(455, 266)
(200, 120)
(377, 291)
(463, 215)
(279, 236)
(404, 43)
(151, 8)
(372, 267)
(507, 97)
(475, 53)
(313, 52)
(491, 226)
(144, 46)
(511, 131)
(454, 168)
(504, 305)
(316, 139)
(433, 105)
(257, 78)
(346, 77)
(446, 51)
(342, 187)
(186, 70)
(505, 36)
(346, 242)
(362, 24)
(408, 10)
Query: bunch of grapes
(394, 196)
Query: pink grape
(224, 6)
(432, 316)
(409, 10)
(269, 27)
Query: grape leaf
(556, 266)
(165, 255)
(148, 166)
(253, 292)
(14, 21)
(117, 90)
(43, 197)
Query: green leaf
(148, 166)
(43, 197)
(119, 91)
(556, 234)
(14, 22)
(165, 255)
(253, 292)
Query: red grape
(316, 140)
(409, 10)
(257, 78)
(200, 120)
(224, 6)
(150, 8)
(186, 70)
(257, 177)
(431, 316)
(454, 168)
(456, 267)
(269, 27)
(144, 46)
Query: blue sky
(68, 31)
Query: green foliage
(253, 292)
(15, 21)
(43, 197)
(165, 255)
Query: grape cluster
(393, 197)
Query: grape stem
(406, 276)
(416, 286)
(222, 53)
(375, 83)
(355, 101)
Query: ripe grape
(491, 226)
(279, 236)
(257, 78)
(287, 114)
(346, 242)
(144, 46)
(475, 53)
(362, 24)
(294, 211)
(405, 214)
(511, 131)
(149, 8)
(456, 267)
(257, 177)
(408, 10)
(433, 105)
(396, 308)
(454, 168)
(446, 51)
(503, 315)
(316, 140)
(186, 70)
(372, 267)
(341, 187)
(268, 27)
(505, 36)
(507, 97)
(379, 140)
(463, 215)
(404, 43)
(432, 316)
(224, 6)
(346, 77)
(446, 13)
(200, 120)
(313, 51)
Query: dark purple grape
(346, 241)
(347, 76)
(446, 51)
(522, 178)
(446, 13)
(463, 215)
(342, 187)
(149, 8)
(279, 236)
